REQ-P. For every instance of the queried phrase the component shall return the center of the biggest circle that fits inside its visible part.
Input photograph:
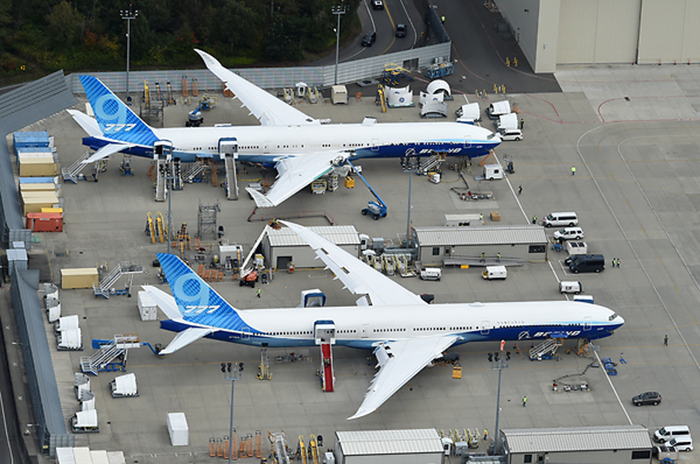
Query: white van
(668, 432)
(570, 287)
(569, 233)
(495, 272)
(569, 219)
(430, 273)
(682, 443)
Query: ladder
(102, 360)
(193, 171)
(264, 368)
(546, 350)
(103, 288)
(162, 171)
(71, 173)
(430, 163)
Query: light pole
(232, 375)
(410, 166)
(337, 10)
(499, 361)
(128, 15)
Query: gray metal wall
(272, 78)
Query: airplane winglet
(261, 201)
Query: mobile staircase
(546, 350)
(111, 355)
(324, 335)
(431, 163)
(71, 174)
(104, 287)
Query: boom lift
(376, 209)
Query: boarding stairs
(192, 172)
(324, 334)
(103, 359)
(231, 177)
(546, 350)
(162, 171)
(70, 174)
(104, 287)
(431, 163)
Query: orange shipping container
(45, 222)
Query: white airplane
(405, 333)
(298, 146)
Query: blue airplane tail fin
(116, 120)
(196, 300)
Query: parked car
(369, 39)
(510, 134)
(569, 233)
(400, 30)
(378, 4)
(646, 398)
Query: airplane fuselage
(263, 144)
(364, 327)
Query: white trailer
(69, 340)
(469, 113)
(339, 95)
(147, 307)
(496, 109)
(85, 422)
(67, 323)
(178, 429)
(507, 122)
(493, 171)
(124, 386)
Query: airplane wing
(270, 110)
(356, 275)
(399, 362)
(295, 173)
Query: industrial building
(282, 246)
(417, 446)
(438, 245)
(623, 444)
(564, 32)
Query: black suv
(647, 398)
(369, 39)
(400, 30)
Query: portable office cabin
(413, 446)
(624, 444)
(283, 246)
(528, 242)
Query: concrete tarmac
(635, 191)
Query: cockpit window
(490, 136)
(612, 317)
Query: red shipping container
(45, 222)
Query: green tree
(65, 26)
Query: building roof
(620, 437)
(371, 442)
(340, 235)
(517, 235)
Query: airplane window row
(304, 332)
(420, 329)
(389, 330)
(461, 328)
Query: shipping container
(79, 277)
(45, 222)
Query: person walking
(618, 262)
(483, 257)
(259, 292)
(520, 189)
(486, 434)
(498, 257)
(573, 170)
(666, 340)
(524, 401)
(522, 123)
(614, 261)
(534, 219)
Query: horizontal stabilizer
(186, 337)
(106, 151)
(164, 301)
(88, 124)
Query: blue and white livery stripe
(196, 300)
(116, 120)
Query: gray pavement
(636, 191)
